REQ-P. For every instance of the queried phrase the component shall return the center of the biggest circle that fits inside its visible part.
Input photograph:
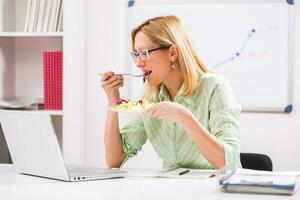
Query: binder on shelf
(56, 15)
(53, 72)
(41, 15)
(36, 15)
(60, 19)
(29, 7)
(31, 15)
(47, 16)
(44, 15)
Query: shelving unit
(21, 58)
(21, 68)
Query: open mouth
(146, 75)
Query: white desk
(16, 186)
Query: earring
(172, 65)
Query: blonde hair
(166, 31)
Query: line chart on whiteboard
(238, 53)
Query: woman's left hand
(169, 111)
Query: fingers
(112, 84)
(110, 80)
(106, 75)
(156, 113)
(153, 111)
(115, 84)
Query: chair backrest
(256, 161)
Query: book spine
(29, 7)
(32, 15)
(52, 15)
(58, 75)
(41, 15)
(53, 72)
(47, 77)
(47, 16)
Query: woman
(193, 123)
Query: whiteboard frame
(289, 107)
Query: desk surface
(16, 186)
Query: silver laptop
(34, 148)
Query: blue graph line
(236, 54)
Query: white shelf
(52, 112)
(31, 34)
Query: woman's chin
(149, 82)
(152, 83)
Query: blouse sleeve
(133, 137)
(224, 111)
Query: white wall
(104, 28)
(74, 82)
(277, 135)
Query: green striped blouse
(212, 103)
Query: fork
(127, 74)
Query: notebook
(254, 181)
(34, 148)
(174, 172)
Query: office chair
(256, 161)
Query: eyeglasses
(144, 55)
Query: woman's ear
(173, 53)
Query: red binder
(53, 74)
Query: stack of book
(44, 16)
(53, 86)
(265, 182)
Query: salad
(131, 105)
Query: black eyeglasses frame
(135, 55)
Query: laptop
(34, 148)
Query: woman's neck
(173, 83)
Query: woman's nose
(140, 64)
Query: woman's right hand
(110, 82)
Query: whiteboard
(249, 42)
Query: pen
(212, 175)
(183, 172)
